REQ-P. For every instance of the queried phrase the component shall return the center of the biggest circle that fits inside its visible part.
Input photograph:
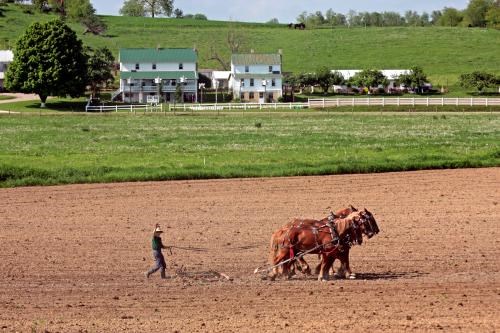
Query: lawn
(52, 149)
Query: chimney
(158, 47)
(280, 51)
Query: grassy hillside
(444, 53)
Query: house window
(181, 66)
(270, 69)
(173, 82)
(242, 96)
(242, 82)
(251, 82)
(251, 95)
(154, 66)
(247, 69)
(136, 66)
(273, 82)
(261, 95)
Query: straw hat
(157, 229)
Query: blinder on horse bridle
(368, 222)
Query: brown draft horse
(301, 264)
(317, 238)
(343, 256)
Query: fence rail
(312, 103)
(237, 106)
(130, 108)
(399, 101)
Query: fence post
(471, 102)
(413, 101)
(131, 108)
(323, 103)
(457, 101)
(399, 104)
(353, 101)
(486, 102)
(427, 101)
(368, 100)
(442, 101)
(383, 101)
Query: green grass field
(109, 148)
(444, 53)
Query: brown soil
(72, 258)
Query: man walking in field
(157, 255)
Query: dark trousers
(159, 263)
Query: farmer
(157, 255)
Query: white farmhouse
(149, 74)
(256, 77)
(6, 57)
(392, 76)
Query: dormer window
(137, 66)
(154, 66)
(181, 66)
(247, 69)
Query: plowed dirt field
(72, 258)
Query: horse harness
(336, 240)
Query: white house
(392, 76)
(6, 57)
(220, 80)
(158, 73)
(256, 77)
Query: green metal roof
(158, 55)
(190, 75)
(256, 59)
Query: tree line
(154, 8)
(479, 13)
(374, 81)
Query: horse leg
(326, 264)
(348, 273)
(304, 267)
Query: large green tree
(478, 80)
(415, 79)
(493, 15)
(450, 17)
(369, 78)
(48, 61)
(475, 13)
(99, 67)
(150, 7)
(132, 8)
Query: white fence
(130, 108)
(236, 106)
(397, 101)
(312, 103)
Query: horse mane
(345, 223)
